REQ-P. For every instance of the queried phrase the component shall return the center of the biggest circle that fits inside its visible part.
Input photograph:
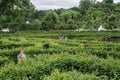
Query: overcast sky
(55, 4)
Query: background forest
(90, 14)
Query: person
(60, 38)
(21, 56)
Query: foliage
(90, 14)
(46, 45)
(108, 1)
(49, 20)
(14, 13)
(71, 75)
(83, 56)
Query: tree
(49, 20)
(93, 18)
(112, 23)
(16, 12)
(39, 14)
(85, 4)
(72, 24)
(107, 1)
(70, 19)
(35, 24)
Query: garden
(84, 55)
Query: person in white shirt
(21, 56)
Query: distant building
(101, 28)
(27, 22)
(5, 30)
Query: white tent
(5, 30)
(27, 22)
(101, 28)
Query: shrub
(46, 45)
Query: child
(21, 56)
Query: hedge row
(102, 51)
(70, 75)
(11, 46)
(42, 65)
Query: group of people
(62, 38)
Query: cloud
(55, 4)
(116, 1)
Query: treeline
(90, 14)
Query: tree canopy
(90, 14)
(15, 12)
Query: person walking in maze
(21, 56)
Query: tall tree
(108, 1)
(15, 11)
(70, 19)
(49, 20)
(85, 4)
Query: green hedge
(70, 75)
(43, 65)
(11, 46)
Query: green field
(86, 55)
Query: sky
(56, 4)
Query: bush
(70, 75)
(46, 45)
